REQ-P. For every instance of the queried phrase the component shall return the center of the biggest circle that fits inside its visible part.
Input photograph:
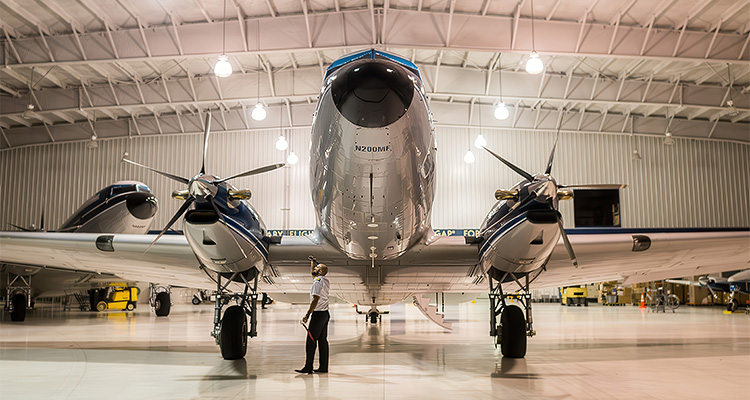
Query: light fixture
(223, 68)
(292, 158)
(668, 140)
(282, 144)
(29, 112)
(93, 143)
(501, 111)
(534, 64)
(469, 157)
(259, 112)
(480, 141)
(636, 155)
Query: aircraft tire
(732, 306)
(196, 300)
(513, 325)
(233, 333)
(163, 304)
(19, 307)
(373, 318)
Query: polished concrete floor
(579, 353)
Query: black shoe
(303, 371)
(320, 371)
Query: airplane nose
(142, 205)
(372, 93)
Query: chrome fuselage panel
(373, 187)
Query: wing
(612, 255)
(169, 261)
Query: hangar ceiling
(114, 68)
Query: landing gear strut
(513, 328)
(18, 297)
(231, 331)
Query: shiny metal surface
(373, 188)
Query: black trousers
(319, 331)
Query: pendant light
(259, 111)
(534, 64)
(223, 68)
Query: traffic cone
(643, 301)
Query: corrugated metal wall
(690, 184)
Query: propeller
(202, 188)
(562, 192)
(32, 228)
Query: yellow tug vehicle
(119, 296)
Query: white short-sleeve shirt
(320, 288)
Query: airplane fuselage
(372, 158)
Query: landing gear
(160, 299)
(18, 307)
(18, 298)
(231, 331)
(513, 329)
(732, 305)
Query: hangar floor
(594, 352)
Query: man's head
(320, 270)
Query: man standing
(318, 330)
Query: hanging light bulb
(668, 139)
(469, 157)
(223, 68)
(282, 144)
(259, 113)
(636, 155)
(29, 112)
(501, 111)
(480, 142)
(534, 64)
(292, 159)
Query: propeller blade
(568, 246)
(256, 171)
(512, 166)
(603, 186)
(168, 175)
(174, 219)
(552, 153)
(21, 228)
(206, 132)
(220, 215)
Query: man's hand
(304, 319)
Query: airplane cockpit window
(122, 189)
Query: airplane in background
(123, 207)
(738, 282)
(372, 169)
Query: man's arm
(313, 303)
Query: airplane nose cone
(372, 93)
(142, 205)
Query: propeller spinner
(202, 188)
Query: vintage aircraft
(372, 169)
(123, 207)
(738, 282)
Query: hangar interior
(650, 94)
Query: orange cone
(643, 301)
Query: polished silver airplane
(372, 168)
